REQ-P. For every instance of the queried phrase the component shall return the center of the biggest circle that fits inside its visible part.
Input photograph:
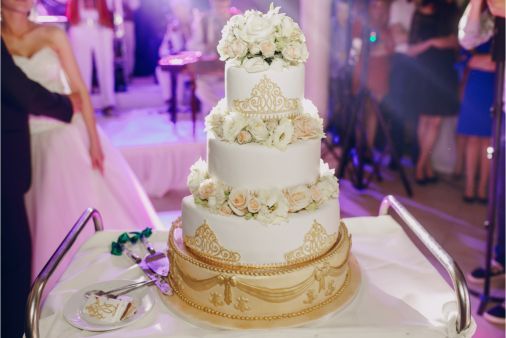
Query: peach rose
(206, 189)
(254, 205)
(225, 210)
(267, 48)
(306, 127)
(298, 198)
(244, 137)
(238, 201)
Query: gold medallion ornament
(316, 242)
(267, 100)
(205, 244)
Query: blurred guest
(398, 103)
(381, 46)
(433, 41)
(174, 41)
(475, 28)
(92, 36)
(475, 121)
(206, 33)
(128, 8)
(340, 73)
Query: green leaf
(123, 238)
(146, 232)
(116, 249)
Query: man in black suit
(20, 97)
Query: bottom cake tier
(248, 297)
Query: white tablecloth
(402, 293)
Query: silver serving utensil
(160, 283)
(118, 291)
(156, 260)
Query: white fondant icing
(239, 82)
(254, 166)
(258, 243)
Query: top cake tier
(265, 53)
(272, 93)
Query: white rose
(271, 125)
(267, 48)
(232, 126)
(269, 197)
(278, 64)
(255, 64)
(254, 49)
(294, 52)
(238, 201)
(258, 129)
(218, 197)
(325, 169)
(328, 187)
(276, 214)
(198, 173)
(287, 26)
(206, 189)
(244, 137)
(254, 205)
(236, 20)
(239, 48)
(316, 194)
(256, 28)
(283, 134)
(214, 121)
(224, 50)
(298, 198)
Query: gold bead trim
(267, 318)
(258, 270)
(267, 100)
(205, 244)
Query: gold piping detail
(259, 269)
(205, 244)
(316, 242)
(266, 98)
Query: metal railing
(451, 267)
(34, 298)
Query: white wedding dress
(63, 181)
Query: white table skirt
(402, 293)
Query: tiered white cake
(260, 240)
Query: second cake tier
(233, 240)
(253, 166)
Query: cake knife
(160, 283)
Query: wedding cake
(260, 242)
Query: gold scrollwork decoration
(205, 244)
(266, 98)
(316, 242)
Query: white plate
(142, 299)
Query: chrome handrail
(451, 267)
(33, 304)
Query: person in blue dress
(475, 121)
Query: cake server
(156, 260)
(160, 283)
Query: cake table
(402, 294)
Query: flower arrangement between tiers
(235, 127)
(257, 40)
(267, 206)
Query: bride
(74, 166)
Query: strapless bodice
(44, 67)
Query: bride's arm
(77, 85)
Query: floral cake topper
(257, 40)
